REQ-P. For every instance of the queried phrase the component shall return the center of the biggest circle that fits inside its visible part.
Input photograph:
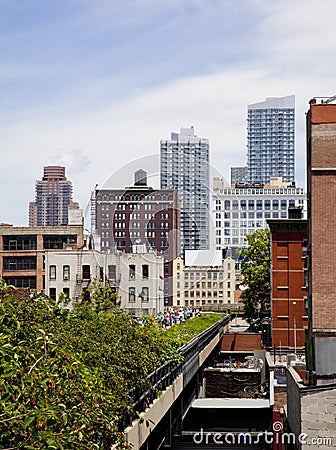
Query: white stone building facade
(239, 211)
(137, 277)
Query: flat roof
(231, 403)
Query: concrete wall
(311, 410)
(294, 401)
(141, 428)
(319, 417)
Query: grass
(186, 331)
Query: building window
(52, 273)
(21, 282)
(86, 272)
(66, 291)
(52, 293)
(58, 242)
(145, 271)
(19, 242)
(112, 272)
(145, 294)
(131, 294)
(284, 205)
(19, 263)
(132, 272)
(66, 273)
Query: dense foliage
(183, 333)
(255, 269)
(67, 377)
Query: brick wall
(321, 214)
(288, 284)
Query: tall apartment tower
(270, 139)
(53, 196)
(239, 175)
(185, 166)
(321, 181)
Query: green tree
(68, 376)
(48, 398)
(255, 269)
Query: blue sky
(96, 84)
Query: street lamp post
(294, 304)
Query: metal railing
(164, 376)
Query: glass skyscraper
(271, 139)
(185, 166)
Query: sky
(95, 84)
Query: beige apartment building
(210, 286)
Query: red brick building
(321, 182)
(22, 251)
(289, 291)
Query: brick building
(311, 395)
(288, 291)
(321, 180)
(22, 251)
(140, 214)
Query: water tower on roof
(140, 178)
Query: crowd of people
(170, 316)
(174, 316)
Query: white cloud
(290, 52)
(75, 161)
